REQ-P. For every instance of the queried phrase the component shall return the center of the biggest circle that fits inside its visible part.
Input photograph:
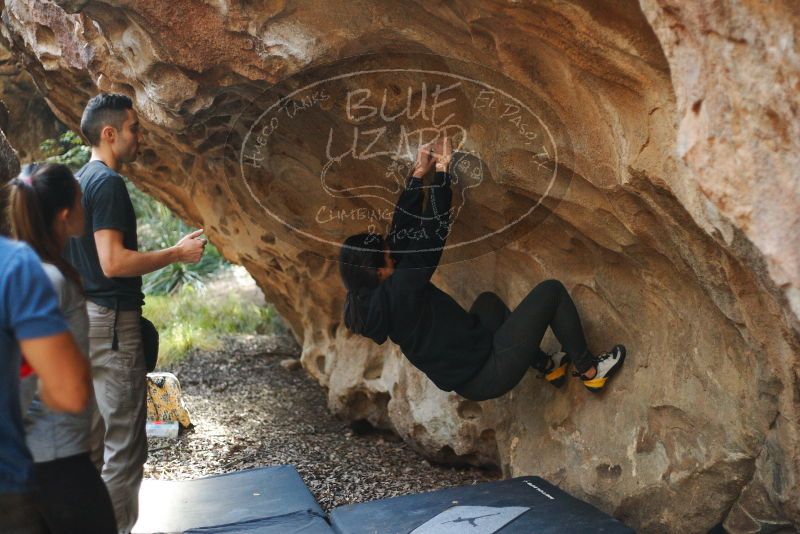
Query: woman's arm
(65, 383)
(408, 209)
(424, 251)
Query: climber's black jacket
(434, 332)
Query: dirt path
(248, 411)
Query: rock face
(666, 144)
(9, 162)
(26, 121)
(9, 168)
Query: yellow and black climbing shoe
(607, 364)
(554, 368)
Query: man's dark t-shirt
(107, 205)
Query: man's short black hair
(105, 109)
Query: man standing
(111, 270)
(30, 321)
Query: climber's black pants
(517, 336)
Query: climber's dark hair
(360, 258)
(36, 196)
(105, 109)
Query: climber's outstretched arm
(424, 250)
(408, 210)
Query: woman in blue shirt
(31, 323)
(45, 210)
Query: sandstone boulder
(24, 115)
(9, 168)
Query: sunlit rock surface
(673, 220)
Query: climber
(480, 354)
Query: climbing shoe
(553, 368)
(607, 364)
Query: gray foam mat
(224, 501)
(297, 523)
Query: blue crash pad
(234, 502)
(297, 523)
(519, 505)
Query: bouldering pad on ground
(234, 502)
(297, 523)
(519, 505)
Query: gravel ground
(249, 411)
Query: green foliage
(67, 149)
(191, 318)
(158, 227)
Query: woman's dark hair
(360, 258)
(36, 197)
